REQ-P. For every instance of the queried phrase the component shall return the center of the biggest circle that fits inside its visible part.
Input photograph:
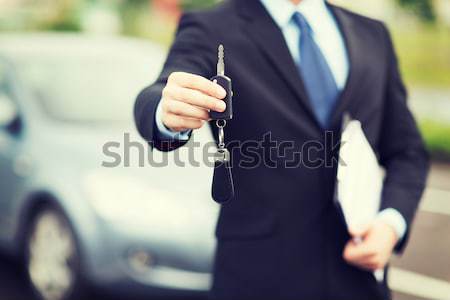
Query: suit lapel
(355, 54)
(270, 40)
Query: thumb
(359, 231)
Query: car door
(10, 146)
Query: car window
(86, 88)
(5, 87)
(8, 108)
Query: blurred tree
(195, 4)
(134, 2)
(65, 15)
(131, 12)
(423, 8)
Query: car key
(224, 82)
(222, 185)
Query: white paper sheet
(359, 179)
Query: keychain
(222, 185)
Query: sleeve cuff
(392, 217)
(165, 133)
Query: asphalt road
(422, 272)
(13, 285)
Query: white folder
(359, 179)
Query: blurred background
(69, 72)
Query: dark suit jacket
(282, 237)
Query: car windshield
(87, 88)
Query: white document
(359, 179)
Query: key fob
(224, 82)
(222, 185)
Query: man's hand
(187, 99)
(375, 249)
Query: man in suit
(296, 67)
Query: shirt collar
(312, 10)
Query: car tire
(52, 256)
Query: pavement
(421, 273)
(13, 285)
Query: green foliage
(196, 4)
(437, 138)
(64, 25)
(423, 8)
(134, 2)
(131, 13)
(424, 55)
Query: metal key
(224, 82)
(220, 61)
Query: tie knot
(301, 22)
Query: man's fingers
(359, 231)
(361, 259)
(197, 82)
(366, 266)
(374, 250)
(372, 263)
(185, 110)
(176, 122)
(195, 97)
(358, 252)
(187, 98)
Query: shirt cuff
(165, 133)
(393, 218)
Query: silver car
(82, 200)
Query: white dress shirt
(328, 37)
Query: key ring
(221, 124)
(221, 138)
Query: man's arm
(182, 94)
(402, 151)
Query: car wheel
(52, 256)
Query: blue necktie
(317, 77)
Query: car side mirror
(8, 111)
